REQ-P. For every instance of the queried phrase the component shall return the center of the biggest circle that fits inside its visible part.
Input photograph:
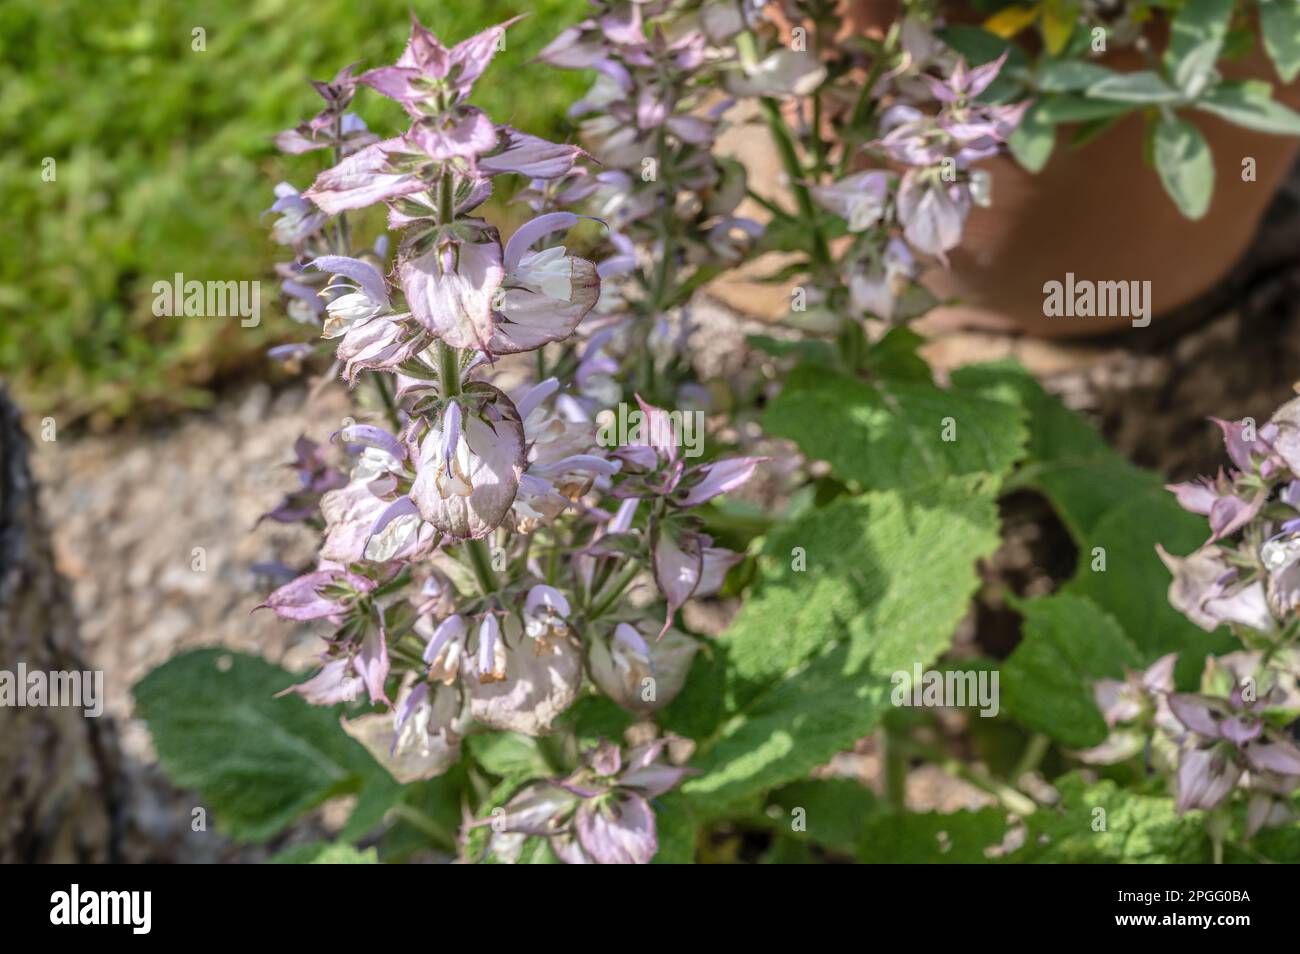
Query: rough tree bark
(59, 769)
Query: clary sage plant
(541, 500)
(478, 556)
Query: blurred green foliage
(164, 163)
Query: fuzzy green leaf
(1251, 104)
(1279, 25)
(258, 761)
(895, 433)
(1185, 166)
(1142, 88)
(861, 589)
(1047, 683)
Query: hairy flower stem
(659, 291)
(448, 357)
(446, 199)
(448, 370)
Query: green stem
(1033, 755)
(480, 559)
(864, 110)
(393, 585)
(553, 563)
(768, 204)
(386, 398)
(612, 592)
(818, 144)
(795, 172)
(446, 199)
(1013, 800)
(895, 750)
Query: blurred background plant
(162, 157)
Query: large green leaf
(675, 828)
(428, 817)
(861, 589)
(1196, 39)
(788, 729)
(258, 761)
(1251, 104)
(1279, 25)
(892, 433)
(1076, 108)
(1069, 76)
(1034, 139)
(829, 811)
(1134, 583)
(1185, 165)
(1143, 87)
(1047, 683)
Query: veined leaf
(957, 838)
(861, 589)
(675, 828)
(259, 761)
(1047, 683)
(1102, 823)
(1097, 823)
(832, 810)
(895, 433)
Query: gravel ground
(156, 532)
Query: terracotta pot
(1097, 211)
(1100, 213)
